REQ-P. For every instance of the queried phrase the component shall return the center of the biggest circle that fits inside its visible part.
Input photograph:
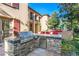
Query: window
(15, 5)
(31, 29)
(31, 16)
(5, 27)
(35, 17)
(39, 19)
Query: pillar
(12, 28)
(34, 23)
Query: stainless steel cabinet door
(43, 42)
(0, 30)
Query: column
(38, 23)
(12, 28)
(34, 23)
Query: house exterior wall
(43, 22)
(20, 14)
(13, 13)
(34, 19)
(23, 16)
(16, 25)
(11, 28)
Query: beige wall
(23, 15)
(67, 35)
(11, 11)
(35, 20)
(20, 14)
(43, 22)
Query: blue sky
(44, 8)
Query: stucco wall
(23, 16)
(20, 14)
(16, 25)
(43, 22)
(10, 11)
(67, 35)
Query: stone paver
(1, 49)
(42, 52)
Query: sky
(45, 8)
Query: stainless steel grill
(25, 36)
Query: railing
(49, 36)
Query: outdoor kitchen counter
(23, 44)
(19, 46)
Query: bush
(67, 48)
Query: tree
(53, 21)
(68, 48)
(70, 11)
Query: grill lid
(25, 34)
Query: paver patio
(43, 52)
(2, 53)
